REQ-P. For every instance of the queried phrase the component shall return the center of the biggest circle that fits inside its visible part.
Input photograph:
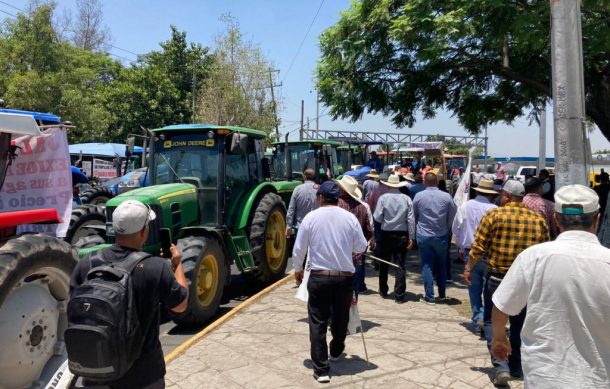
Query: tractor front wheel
(268, 239)
(35, 274)
(206, 270)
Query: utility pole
(485, 157)
(542, 140)
(277, 130)
(568, 93)
(302, 117)
(317, 112)
(194, 93)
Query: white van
(527, 171)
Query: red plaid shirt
(545, 208)
(359, 210)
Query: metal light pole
(485, 157)
(542, 141)
(568, 93)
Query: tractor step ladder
(242, 247)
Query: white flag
(462, 194)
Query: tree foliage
(487, 61)
(41, 73)
(237, 90)
(157, 90)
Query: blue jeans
(475, 290)
(359, 280)
(513, 364)
(433, 253)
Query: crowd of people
(529, 261)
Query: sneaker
(516, 374)
(335, 359)
(429, 302)
(502, 378)
(442, 300)
(323, 379)
(399, 300)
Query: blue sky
(278, 27)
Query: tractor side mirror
(131, 144)
(266, 162)
(239, 143)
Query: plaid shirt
(504, 233)
(545, 208)
(359, 210)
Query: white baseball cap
(514, 187)
(576, 200)
(131, 216)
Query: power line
(303, 41)
(71, 30)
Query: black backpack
(104, 335)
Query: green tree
(487, 61)
(41, 73)
(237, 91)
(157, 90)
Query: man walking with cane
(332, 235)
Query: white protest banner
(103, 169)
(462, 194)
(40, 178)
(86, 168)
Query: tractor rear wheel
(206, 270)
(268, 241)
(35, 274)
(83, 217)
(97, 195)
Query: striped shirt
(504, 233)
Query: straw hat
(394, 181)
(486, 186)
(373, 174)
(350, 185)
(409, 177)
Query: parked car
(528, 171)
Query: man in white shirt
(565, 341)
(465, 224)
(332, 235)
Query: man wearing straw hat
(465, 224)
(395, 213)
(370, 184)
(350, 200)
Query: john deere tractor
(212, 190)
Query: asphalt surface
(172, 335)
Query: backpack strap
(131, 261)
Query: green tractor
(291, 158)
(212, 190)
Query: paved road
(172, 335)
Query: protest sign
(103, 169)
(40, 178)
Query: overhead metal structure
(387, 137)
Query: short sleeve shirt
(566, 287)
(154, 284)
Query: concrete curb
(218, 322)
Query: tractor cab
(291, 158)
(223, 164)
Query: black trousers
(327, 294)
(393, 249)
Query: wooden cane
(381, 260)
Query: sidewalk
(413, 345)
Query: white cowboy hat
(409, 177)
(394, 181)
(350, 185)
(486, 186)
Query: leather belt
(332, 273)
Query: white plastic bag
(302, 293)
(354, 319)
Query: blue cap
(329, 190)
